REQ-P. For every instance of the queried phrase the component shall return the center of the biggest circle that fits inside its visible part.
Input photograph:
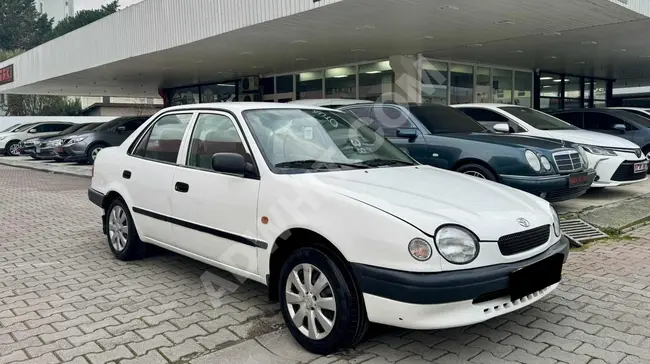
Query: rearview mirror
(410, 133)
(32, 131)
(233, 163)
(501, 128)
(620, 127)
(121, 129)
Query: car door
(215, 213)
(149, 174)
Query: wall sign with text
(7, 74)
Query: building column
(406, 85)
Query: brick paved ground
(64, 299)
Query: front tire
(92, 152)
(478, 171)
(122, 235)
(320, 303)
(11, 149)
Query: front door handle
(126, 174)
(181, 187)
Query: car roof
(243, 106)
(486, 105)
(326, 102)
(629, 108)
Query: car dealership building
(550, 54)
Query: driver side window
(389, 119)
(213, 133)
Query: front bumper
(553, 188)
(447, 299)
(72, 152)
(46, 153)
(28, 150)
(615, 170)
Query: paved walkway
(65, 299)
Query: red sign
(7, 74)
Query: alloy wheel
(475, 174)
(118, 228)
(94, 153)
(13, 149)
(310, 301)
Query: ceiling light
(450, 7)
(645, 56)
(517, 51)
(589, 42)
(551, 57)
(357, 50)
(546, 78)
(302, 59)
(258, 66)
(580, 62)
(340, 76)
(373, 72)
(619, 50)
(427, 37)
(552, 34)
(299, 41)
(199, 61)
(360, 27)
(475, 45)
(246, 53)
(546, 86)
(505, 22)
(557, 80)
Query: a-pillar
(406, 86)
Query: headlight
(420, 249)
(583, 156)
(556, 223)
(598, 150)
(533, 160)
(56, 143)
(456, 244)
(76, 139)
(545, 163)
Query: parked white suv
(9, 142)
(341, 225)
(617, 161)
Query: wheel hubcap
(13, 149)
(310, 301)
(94, 153)
(475, 174)
(118, 228)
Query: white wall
(7, 121)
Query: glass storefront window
(222, 92)
(462, 84)
(184, 96)
(284, 84)
(600, 90)
(523, 88)
(550, 85)
(434, 82)
(588, 82)
(341, 82)
(309, 85)
(376, 81)
(482, 84)
(502, 86)
(549, 103)
(571, 87)
(267, 86)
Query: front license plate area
(536, 276)
(640, 167)
(578, 179)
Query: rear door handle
(126, 174)
(181, 187)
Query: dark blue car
(444, 137)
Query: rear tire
(477, 170)
(123, 238)
(322, 317)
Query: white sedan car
(617, 161)
(342, 226)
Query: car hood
(590, 138)
(428, 197)
(510, 140)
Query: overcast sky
(95, 4)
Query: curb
(40, 169)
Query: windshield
(72, 129)
(89, 127)
(538, 119)
(301, 140)
(24, 127)
(11, 128)
(439, 119)
(637, 118)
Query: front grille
(525, 240)
(567, 161)
(566, 193)
(625, 172)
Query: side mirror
(501, 128)
(620, 127)
(233, 163)
(32, 131)
(408, 133)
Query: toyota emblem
(523, 222)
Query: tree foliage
(83, 18)
(22, 26)
(40, 105)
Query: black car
(46, 149)
(84, 147)
(444, 137)
(28, 146)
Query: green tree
(83, 18)
(21, 25)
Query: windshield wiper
(384, 162)
(316, 164)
